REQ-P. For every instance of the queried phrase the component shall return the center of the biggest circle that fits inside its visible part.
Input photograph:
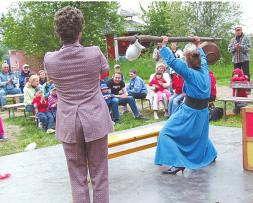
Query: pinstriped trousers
(83, 157)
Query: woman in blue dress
(183, 142)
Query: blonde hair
(31, 80)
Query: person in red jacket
(213, 87)
(41, 109)
(178, 96)
(238, 76)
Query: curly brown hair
(68, 23)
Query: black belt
(196, 103)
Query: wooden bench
(233, 99)
(142, 103)
(13, 97)
(12, 107)
(122, 138)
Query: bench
(12, 107)
(233, 99)
(122, 138)
(142, 104)
(13, 97)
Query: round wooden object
(212, 52)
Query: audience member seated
(163, 94)
(118, 70)
(178, 96)
(24, 76)
(111, 102)
(47, 87)
(238, 76)
(117, 87)
(41, 108)
(136, 86)
(29, 92)
(7, 84)
(43, 78)
(3, 137)
(213, 87)
(161, 68)
(52, 102)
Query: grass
(145, 66)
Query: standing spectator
(117, 87)
(239, 47)
(24, 76)
(52, 101)
(136, 86)
(41, 108)
(29, 92)
(3, 137)
(177, 54)
(82, 120)
(7, 84)
(43, 78)
(178, 96)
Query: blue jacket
(136, 85)
(22, 80)
(6, 77)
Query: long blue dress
(183, 141)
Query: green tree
(201, 18)
(165, 18)
(29, 26)
(215, 19)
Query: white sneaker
(155, 115)
(49, 131)
(40, 125)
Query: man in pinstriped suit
(83, 120)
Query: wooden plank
(131, 150)
(8, 106)
(13, 95)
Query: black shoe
(140, 117)
(3, 139)
(174, 170)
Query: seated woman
(29, 92)
(159, 84)
(183, 141)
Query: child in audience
(29, 92)
(52, 102)
(40, 106)
(238, 76)
(178, 96)
(158, 83)
(2, 136)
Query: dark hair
(68, 23)
(193, 59)
(133, 71)
(158, 73)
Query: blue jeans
(113, 104)
(47, 119)
(5, 92)
(174, 102)
(130, 100)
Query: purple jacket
(75, 71)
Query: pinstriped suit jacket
(75, 71)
